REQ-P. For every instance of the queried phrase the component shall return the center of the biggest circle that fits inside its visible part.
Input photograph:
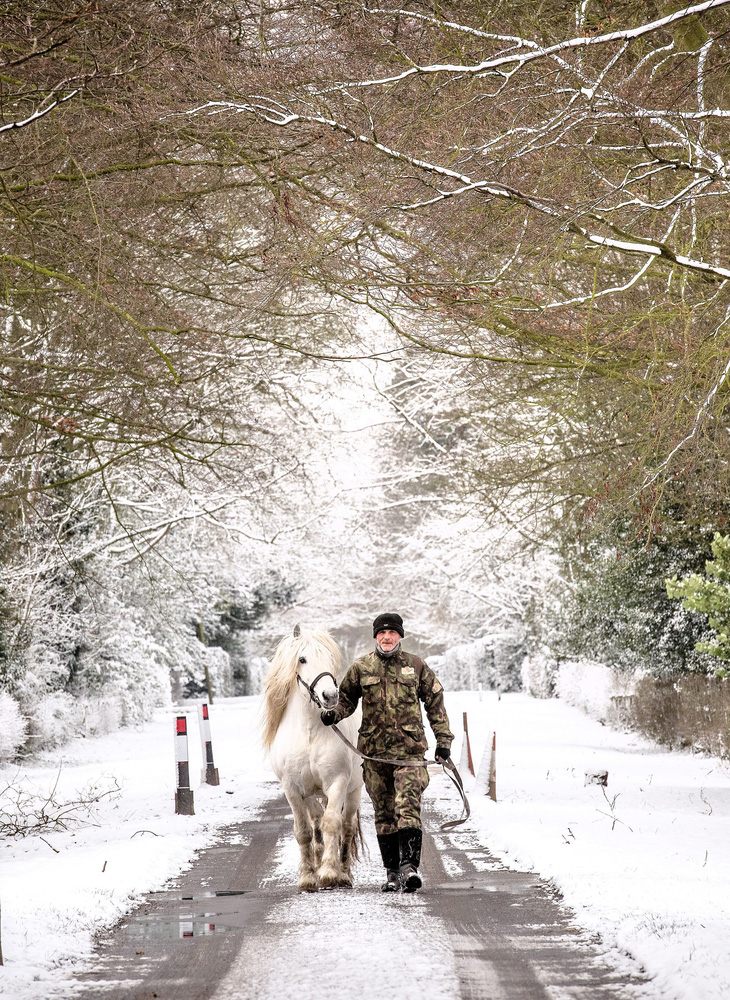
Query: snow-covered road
(643, 865)
(487, 934)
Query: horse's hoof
(345, 882)
(328, 879)
(308, 884)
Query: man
(391, 683)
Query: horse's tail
(358, 846)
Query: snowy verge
(643, 862)
(58, 891)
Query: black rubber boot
(389, 851)
(409, 844)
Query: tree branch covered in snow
(487, 181)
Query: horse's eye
(302, 659)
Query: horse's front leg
(304, 832)
(330, 871)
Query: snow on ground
(343, 945)
(643, 862)
(56, 892)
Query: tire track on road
(512, 937)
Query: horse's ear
(297, 631)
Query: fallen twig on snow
(25, 812)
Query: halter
(310, 687)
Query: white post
(210, 771)
(486, 783)
(481, 785)
(463, 758)
(469, 763)
(183, 794)
(493, 770)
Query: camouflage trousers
(396, 795)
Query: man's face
(387, 639)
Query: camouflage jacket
(391, 688)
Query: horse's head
(304, 662)
(318, 663)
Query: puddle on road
(182, 927)
(188, 920)
(218, 893)
(165, 894)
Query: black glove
(442, 754)
(328, 717)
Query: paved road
(234, 928)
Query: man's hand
(328, 717)
(442, 755)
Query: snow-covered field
(643, 862)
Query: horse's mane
(282, 675)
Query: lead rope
(448, 766)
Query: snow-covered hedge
(480, 663)
(592, 687)
(13, 728)
(538, 673)
(219, 668)
(99, 715)
(53, 721)
(258, 667)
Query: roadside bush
(689, 711)
(539, 672)
(53, 721)
(620, 614)
(480, 663)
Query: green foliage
(620, 613)
(710, 597)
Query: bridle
(310, 687)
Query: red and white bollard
(183, 794)
(210, 771)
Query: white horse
(321, 777)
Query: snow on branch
(276, 114)
(25, 812)
(519, 59)
(38, 114)
(704, 408)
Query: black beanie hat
(388, 621)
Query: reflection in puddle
(185, 925)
